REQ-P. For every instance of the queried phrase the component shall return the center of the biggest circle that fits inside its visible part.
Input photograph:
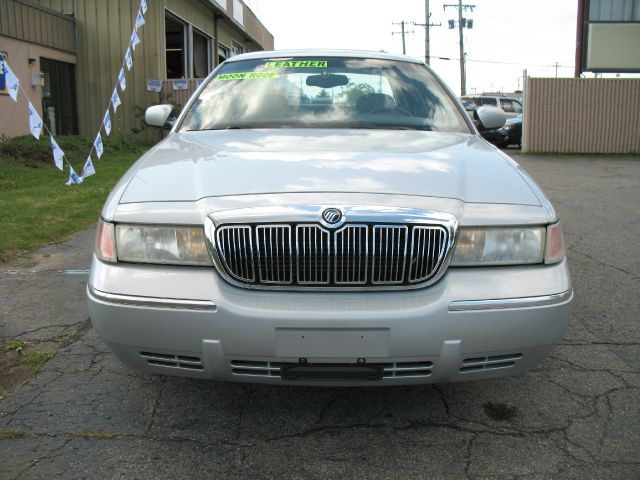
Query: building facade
(67, 54)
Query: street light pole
(463, 76)
(462, 23)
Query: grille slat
(309, 255)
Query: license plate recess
(331, 372)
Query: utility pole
(462, 23)
(403, 33)
(427, 24)
(556, 64)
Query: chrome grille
(235, 245)
(275, 262)
(427, 245)
(389, 254)
(313, 254)
(310, 255)
(351, 256)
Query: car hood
(193, 165)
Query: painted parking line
(35, 271)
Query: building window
(236, 49)
(223, 53)
(201, 54)
(238, 11)
(222, 4)
(176, 47)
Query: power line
(505, 63)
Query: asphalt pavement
(577, 416)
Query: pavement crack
(326, 408)
(152, 420)
(601, 262)
(440, 393)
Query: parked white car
(512, 107)
(328, 218)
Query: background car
(511, 107)
(513, 130)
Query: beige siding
(37, 25)
(256, 31)
(194, 13)
(582, 115)
(104, 30)
(62, 6)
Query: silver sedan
(328, 218)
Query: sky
(507, 35)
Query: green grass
(36, 360)
(15, 345)
(36, 208)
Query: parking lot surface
(577, 416)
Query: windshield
(324, 93)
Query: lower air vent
(172, 361)
(274, 369)
(407, 369)
(255, 369)
(474, 364)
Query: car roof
(470, 97)
(323, 53)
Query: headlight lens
(160, 244)
(499, 246)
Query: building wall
(14, 119)
(103, 34)
(103, 29)
(37, 25)
(582, 115)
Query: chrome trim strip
(153, 302)
(502, 303)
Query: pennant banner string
(58, 154)
(36, 124)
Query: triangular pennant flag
(128, 58)
(35, 122)
(98, 145)
(143, 6)
(122, 78)
(11, 81)
(107, 123)
(74, 179)
(115, 100)
(88, 168)
(139, 19)
(135, 40)
(58, 154)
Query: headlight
(499, 246)
(161, 244)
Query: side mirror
(160, 116)
(490, 117)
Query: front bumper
(474, 323)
